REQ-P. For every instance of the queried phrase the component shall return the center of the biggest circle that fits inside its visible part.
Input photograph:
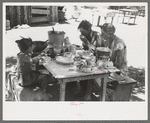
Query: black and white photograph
(89, 60)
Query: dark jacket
(25, 68)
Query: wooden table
(130, 13)
(106, 15)
(63, 74)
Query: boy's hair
(85, 25)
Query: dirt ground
(135, 37)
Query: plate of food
(64, 60)
(83, 67)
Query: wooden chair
(108, 15)
(18, 93)
(127, 14)
(130, 15)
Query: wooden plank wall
(19, 15)
(40, 14)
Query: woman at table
(27, 74)
(110, 40)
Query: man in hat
(28, 76)
(117, 46)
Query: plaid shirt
(94, 39)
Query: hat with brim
(24, 44)
(108, 28)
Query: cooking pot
(103, 51)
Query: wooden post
(49, 15)
(11, 15)
(54, 13)
(50, 12)
(25, 15)
(18, 15)
(99, 17)
(29, 15)
(112, 20)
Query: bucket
(56, 38)
(102, 52)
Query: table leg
(105, 18)
(92, 18)
(118, 16)
(97, 84)
(62, 91)
(134, 20)
(128, 21)
(103, 85)
(123, 16)
(112, 20)
(98, 20)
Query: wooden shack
(19, 15)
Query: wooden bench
(121, 91)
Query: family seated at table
(90, 41)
